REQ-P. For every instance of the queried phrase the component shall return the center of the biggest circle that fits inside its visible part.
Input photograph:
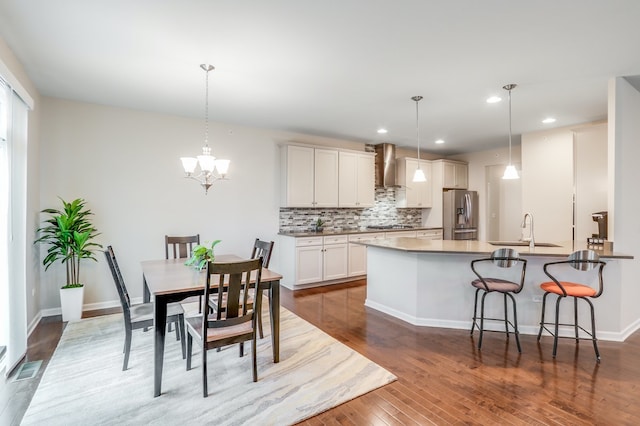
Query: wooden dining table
(170, 280)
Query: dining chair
(181, 247)
(582, 261)
(236, 323)
(261, 249)
(140, 315)
(504, 259)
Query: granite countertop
(349, 231)
(417, 245)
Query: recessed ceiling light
(382, 131)
(494, 99)
(440, 141)
(549, 120)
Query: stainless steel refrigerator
(460, 214)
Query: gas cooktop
(389, 227)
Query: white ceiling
(339, 68)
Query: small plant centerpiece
(201, 254)
(318, 225)
(70, 235)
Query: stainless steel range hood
(385, 165)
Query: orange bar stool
(502, 258)
(581, 260)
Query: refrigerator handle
(467, 208)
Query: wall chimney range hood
(385, 165)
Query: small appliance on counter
(600, 239)
(460, 214)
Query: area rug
(84, 383)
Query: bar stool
(502, 258)
(581, 260)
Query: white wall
(624, 203)
(126, 165)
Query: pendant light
(211, 169)
(418, 176)
(510, 172)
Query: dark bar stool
(581, 260)
(502, 258)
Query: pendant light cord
(510, 127)
(417, 99)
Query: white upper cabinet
(356, 179)
(413, 194)
(309, 177)
(454, 175)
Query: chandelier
(510, 172)
(211, 168)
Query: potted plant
(318, 225)
(201, 254)
(70, 236)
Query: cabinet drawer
(308, 241)
(362, 237)
(434, 234)
(336, 239)
(398, 234)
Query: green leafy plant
(70, 236)
(201, 254)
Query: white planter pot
(71, 303)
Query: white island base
(430, 286)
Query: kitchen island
(427, 283)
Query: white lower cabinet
(321, 259)
(358, 253)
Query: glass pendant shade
(419, 176)
(510, 173)
(207, 162)
(189, 164)
(222, 166)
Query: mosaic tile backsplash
(384, 212)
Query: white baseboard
(613, 336)
(86, 307)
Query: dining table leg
(274, 310)
(160, 321)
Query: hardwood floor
(442, 377)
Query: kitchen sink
(521, 244)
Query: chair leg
(593, 330)
(506, 317)
(127, 348)
(515, 322)
(575, 319)
(555, 334)
(475, 311)
(189, 350)
(254, 358)
(241, 349)
(180, 326)
(481, 319)
(205, 391)
(544, 304)
(260, 323)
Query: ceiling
(337, 68)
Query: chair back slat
(584, 260)
(233, 284)
(262, 249)
(180, 247)
(505, 257)
(125, 300)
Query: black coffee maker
(601, 219)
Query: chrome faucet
(532, 242)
